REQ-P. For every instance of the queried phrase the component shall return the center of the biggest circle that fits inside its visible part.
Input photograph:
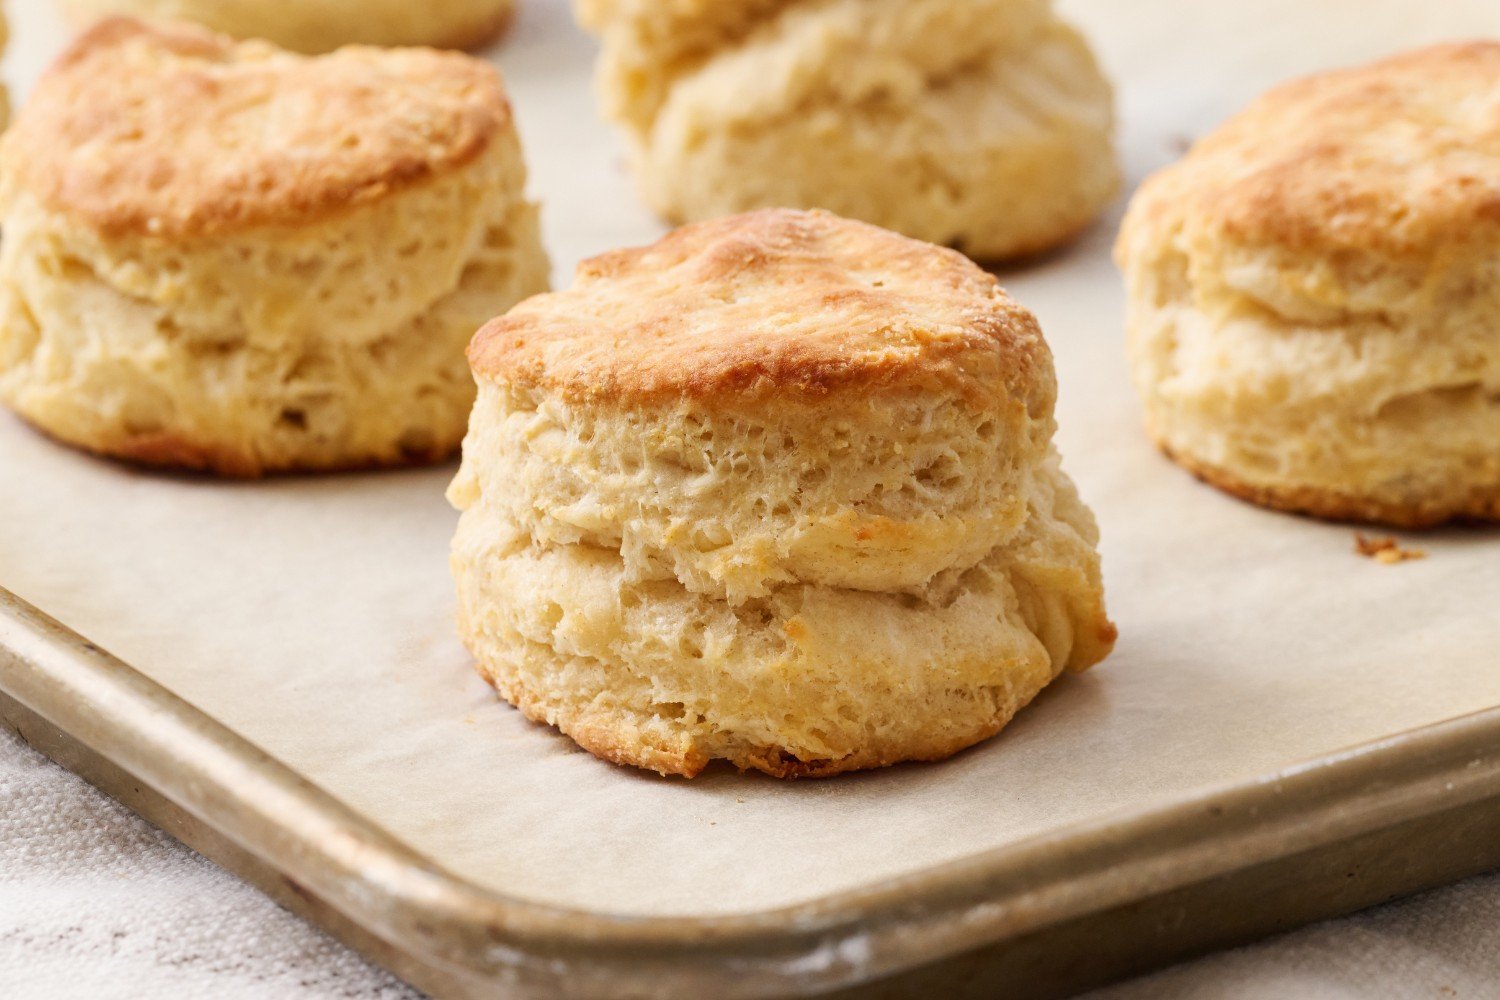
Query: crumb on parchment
(1384, 549)
(1180, 143)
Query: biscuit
(778, 490)
(1314, 294)
(314, 26)
(222, 256)
(984, 125)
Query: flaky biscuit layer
(985, 126)
(778, 490)
(1314, 293)
(238, 334)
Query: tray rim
(841, 940)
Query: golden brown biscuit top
(1393, 158)
(175, 131)
(594, 14)
(672, 16)
(772, 303)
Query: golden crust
(481, 33)
(673, 19)
(317, 26)
(173, 452)
(165, 130)
(1395, 159)
(1480, 505)
(612, 736)
(773, 302)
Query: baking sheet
(314, 615)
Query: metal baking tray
(1043, 918)
(1287, 731)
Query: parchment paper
(313, 615)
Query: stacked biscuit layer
(226, 257)
(1315, 293)
(982, 125)
(323, 25)
(777, 490)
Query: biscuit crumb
(1385, 550)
